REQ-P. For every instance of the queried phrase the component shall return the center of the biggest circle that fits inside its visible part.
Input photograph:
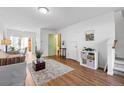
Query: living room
(61, 46)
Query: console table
(63, 52)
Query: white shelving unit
(89, 59)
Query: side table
(38, 65)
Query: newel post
(110, 57)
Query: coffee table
(38, 65)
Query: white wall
(119, 34)
(2, 29)
(38, 42)
(44, 40)
(104, 29)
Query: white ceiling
(29, 18)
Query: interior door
(72, 50)
(52, 45)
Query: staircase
(119, 66)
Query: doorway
(54, 44)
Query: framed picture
(89, 35)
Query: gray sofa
(13, 75)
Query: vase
(38, 60)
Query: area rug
(53, 70)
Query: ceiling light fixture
(43, 10)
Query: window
(19, 42)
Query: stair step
(119, 69)
(119, 58)
(118, 73)
(121, 62)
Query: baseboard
(101, 68)
(72, 59)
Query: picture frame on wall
(89, 35)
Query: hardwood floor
(81, 76)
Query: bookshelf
(89, 59)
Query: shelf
(89, 59)
(119, 69)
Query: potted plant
(38, 55)
(88, 49)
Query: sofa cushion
(3, 54)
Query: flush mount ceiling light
(43, 10)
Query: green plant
(38, 54)
(12, 48)
(88, 49)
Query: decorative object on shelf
(89, 36)
(63, 44)
(88, 49)
(38, 55)
(89, 58)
